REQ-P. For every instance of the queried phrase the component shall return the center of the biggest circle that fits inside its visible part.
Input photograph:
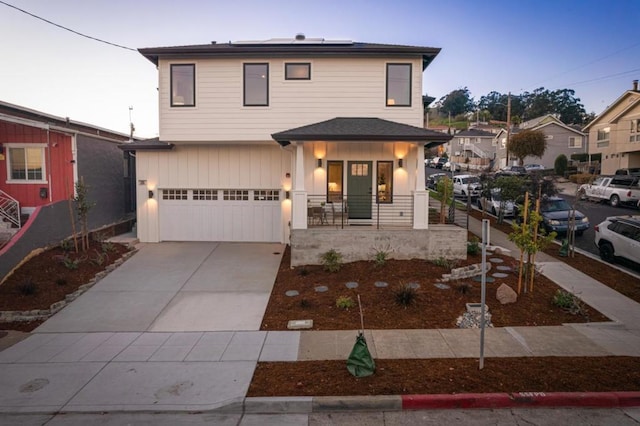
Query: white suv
(464, 185)
(619, 236)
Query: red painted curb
(522, 400)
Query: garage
(243, 215)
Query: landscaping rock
(351, 284)
(321, 289)
(505, 294)
(381, 284)
(473, 320)
(291, 293)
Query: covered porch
(360, 179)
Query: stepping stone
(499, 275)
(414, 286)
(496, 260)
(442, 286)
(351, 284)
(504, 268)
(292, 293)
(479, 279)
(321, 289)
(381, 284)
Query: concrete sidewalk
(146, 369)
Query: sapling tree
(83, 206)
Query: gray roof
(360, 129)
(327, 49)
(153, 144)
(475, 133)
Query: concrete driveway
(174, 287)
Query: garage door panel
(248, 220)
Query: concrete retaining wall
(448, 241)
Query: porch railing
(360, 211)
(9, 209)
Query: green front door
(359, 189)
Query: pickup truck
(618, 189)
(464, 185)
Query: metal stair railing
(9, 209)
(477, 151)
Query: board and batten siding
(339, 87)
(206, 167)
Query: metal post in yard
(483, 288)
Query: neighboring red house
(42, 157)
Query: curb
(280, 405)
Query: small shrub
(473, 246)
(71, 264)
(332, 261)
(107, 247)
(463, 288)
(569, 302)
(581, 178)
(100, 258)
(345, 302)
(561, 164)
(303, 272)
(405, 295)
(27, 287)
(441, 261)
(381, 258)
(66, 245)
(304, 303)
(61, 281)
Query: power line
(65, 28)
(606, 77)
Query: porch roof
(361, 129)
(153, 144)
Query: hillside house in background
(615, 133)
(315, 142)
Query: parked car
(618, 189)
(556, 213)
(533, 167)
(439, 162)
(633, 171)
(511, 171)
(447, 166)
(492, 203)
(619, 236)
(465, 185)
(432, 181)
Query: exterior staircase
(10, 220)
(477, 151)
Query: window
(183, 85)
(205, 194)
(235, 195)
(174, 194)
(602, 138)
(297, 71)
(26, 164)
(256, 85)
(266, 195)
(575, 142)
(334, 181)
(398, 84)
(384, 179)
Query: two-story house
(473, 147)
(289, 140)
(561, 139)
(615, 133)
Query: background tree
(511, 189)
(561, 164)
(457, 102)
(527, 143)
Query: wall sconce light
(287, 195)
(150, 194)
(1, 149)
(400, 162)
(319, 162)
(44, 193)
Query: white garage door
(250, 215)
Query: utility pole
(508, 126)
(132, 128)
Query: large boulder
(505, 294)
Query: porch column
(299, 195)
(420, 195)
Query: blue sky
(590, 46)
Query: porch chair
(339, 209)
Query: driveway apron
(178, 287)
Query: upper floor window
(575, 142)
(297, 71)
(635, 126)
(602, 138)
(256, 85)
(183, 85)
(26, 164)
(398, 84)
